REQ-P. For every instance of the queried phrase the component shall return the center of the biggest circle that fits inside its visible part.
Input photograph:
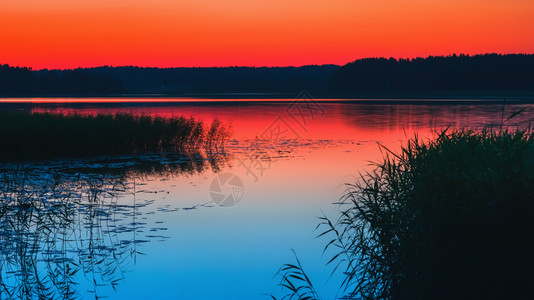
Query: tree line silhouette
(19, 81)
(455, 73)
(23, 82)
(220, 79)
(488, 72)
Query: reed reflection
(74, 227)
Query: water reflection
(422, 117)
(74, 227)
(288, 183)
(340, 120)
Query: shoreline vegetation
(486, 76)
(62, 180)
(447, 218)
(28, 136)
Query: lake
(167, 228)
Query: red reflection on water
(146, 100)
(348, 121)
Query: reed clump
(447, 218)
(45, 135)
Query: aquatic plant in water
(447, 218)
(44, 135)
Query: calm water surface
(156, 233)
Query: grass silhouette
(448, 218)
(44, 135)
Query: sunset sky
(174, 33)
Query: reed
(447, 218)
(44, 135)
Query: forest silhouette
(489, 72)
(369, 76)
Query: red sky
(174, 33)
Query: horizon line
(261, 66)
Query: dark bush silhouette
(449, 218)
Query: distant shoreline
(375, 98)
(150, 100)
